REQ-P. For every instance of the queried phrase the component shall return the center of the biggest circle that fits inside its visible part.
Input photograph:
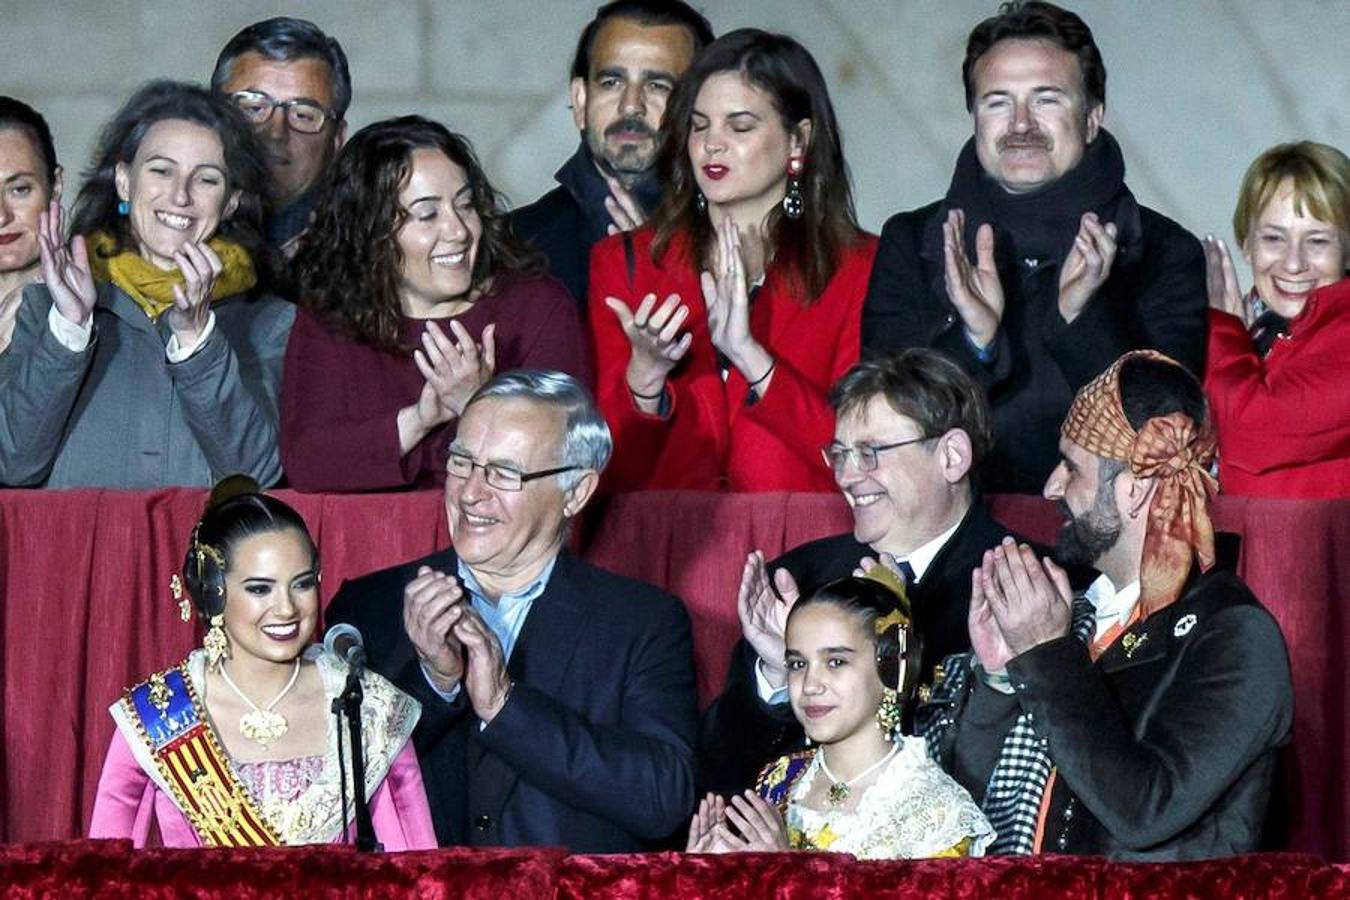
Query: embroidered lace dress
(913, 810)
(299, 798)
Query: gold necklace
(263, 726)
(840, 789)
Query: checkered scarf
(1171, 449)
(1012, 798)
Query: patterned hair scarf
(1171, 449)
(152, 287)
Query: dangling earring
(216, 644)
(123, 208)
(888, 714)
(184, 607)
(700, 202)
(792, 200)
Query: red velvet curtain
(85, 610)
(112, 869)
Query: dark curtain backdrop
(85, 610)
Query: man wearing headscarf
(1141, 719)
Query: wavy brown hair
(96, 207)
(808, 249)
(349, 260)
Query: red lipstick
(10, 238)
(716, 173)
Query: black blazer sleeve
(1157, 301)
(1225, 701)
(902, 311)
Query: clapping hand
(1030, 598)
(191, 308)
(654, 335)
(763, 614)
(433, 603)
(985, 637)
(453, 369)
(975, 290)
(485, 677)
(1221, 281)
(726, 295)
(1087, 266)
(65, 268)
(703, 835)
(759, 823)
(622, 207)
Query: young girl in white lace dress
(865, 788)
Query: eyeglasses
(304, 116)
(864, 456)
(504, 478)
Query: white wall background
(1196, 88)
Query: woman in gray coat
(148, 358)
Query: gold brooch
(160, 692)
(1132, 642)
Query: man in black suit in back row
(910, 430)
(558, 702)
(626, 64)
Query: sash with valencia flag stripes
(171, 726)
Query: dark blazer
(557, 227)
(569, 220)
(741, 733)
(1154, 297)
(594, 748)
(1167, 752)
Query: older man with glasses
(558, 700)
(291, 81)
(910, 431)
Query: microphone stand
(348, 703)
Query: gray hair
(284, 39)
(587, 442)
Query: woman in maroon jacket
(719, 329)
(413, 292)
(1278, 360)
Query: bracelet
(657, 396)
(761, 379)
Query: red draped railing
(85, 609)
(111, 869)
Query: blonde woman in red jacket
(1278, 361)
(720, 327)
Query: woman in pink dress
(236, 746)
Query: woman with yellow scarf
(148, 359)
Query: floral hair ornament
(899, 618)
(1173, 450)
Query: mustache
(1032, 139)
(635, 124)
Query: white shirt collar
(923, 556)
(1111, 605)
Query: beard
(1086, 538)
(626, 161)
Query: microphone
(344, 641)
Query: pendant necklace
(839, 789)
(263, 726)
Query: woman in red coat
(1278, 362)
(720, 327)
(413, 292)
